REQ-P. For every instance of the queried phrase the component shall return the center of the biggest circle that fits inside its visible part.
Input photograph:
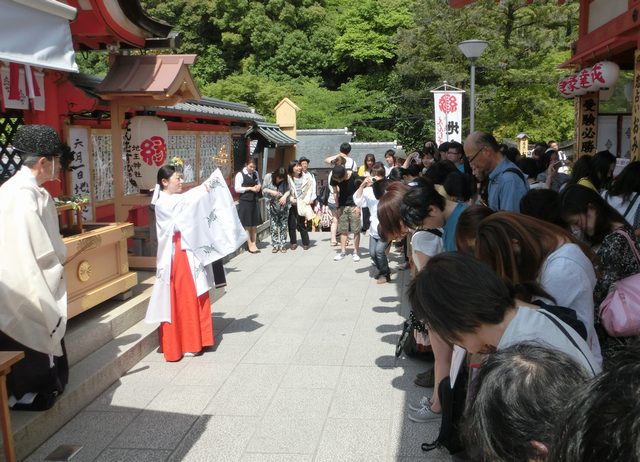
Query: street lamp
(472, 49)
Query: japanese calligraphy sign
(146, 149)
(586, 124)
(448, 115)
(80, 184)
(635, 110)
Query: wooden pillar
(635, 110)
(586, 124)
(117, 117)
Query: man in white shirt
(345, 149)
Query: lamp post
(472, 49)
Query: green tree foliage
(370, 65)
(367, 34)
(516, 76)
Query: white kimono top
(209, 230)
(33, 291)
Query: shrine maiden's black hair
(164, 173)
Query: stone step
(96, 327)
(88, 378)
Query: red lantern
(146, 149)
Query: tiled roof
(204, 107)
(159, 76)
(271, 133)
(212, 107)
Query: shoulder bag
(620, 311)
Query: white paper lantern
(605, 74)
(146, 149)
(564, 89)
(585, 80)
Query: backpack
(413, 348)
(453, 402)
(323, 195)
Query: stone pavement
(303, 370)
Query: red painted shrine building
(41, 85)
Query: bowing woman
(247, 184)
(194, 229)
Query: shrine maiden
(194, 229)
(33, 294)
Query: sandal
(334, 244)
(274, 250)
(283, 250)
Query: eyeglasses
(476, 154)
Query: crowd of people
(520, 275)
(513, 257)
(515, 262)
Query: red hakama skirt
(191, 326)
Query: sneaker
(425, 414)
(356, 257)
(340, 256)
(381, 280)
(425, 401)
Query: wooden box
(102, 270)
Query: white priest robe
(33, 292)
(209, 230)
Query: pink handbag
(620, 311)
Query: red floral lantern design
(146, 149)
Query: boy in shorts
(348, 214)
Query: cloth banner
(146, 149)
(448, 115)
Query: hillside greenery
(369, 65)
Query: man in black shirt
(348, 214)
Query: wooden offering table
(101, 269)
(7, 359)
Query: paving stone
(92, 430)
(155, 430)
(216, 438)
(286, 434)
(348, 439)
(305, 376)
(133, 455)
(247, 391)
